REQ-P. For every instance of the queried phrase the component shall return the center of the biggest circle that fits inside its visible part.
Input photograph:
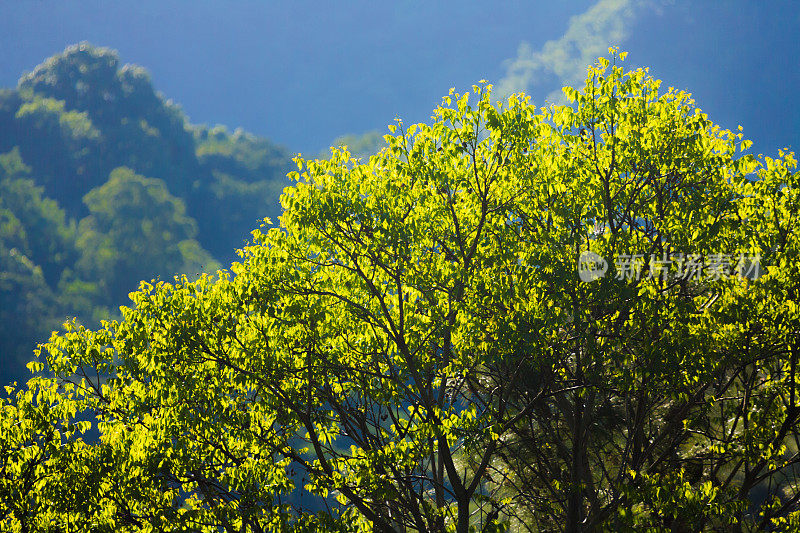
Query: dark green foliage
(103, 183)
(232, 182)
(35, 245)
(61, 145)
(26, 310)
(47, 238)
(136, 229)
(139, 129)
(10, 101)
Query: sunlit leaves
(414, 343)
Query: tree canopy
(36, 244)
(136, 230)
(414, 348)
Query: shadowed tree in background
(70, 123)
(36, 245)
(136, 229)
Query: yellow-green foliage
(413, 346)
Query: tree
(70, 138)
(243, 176)
(135, 230)
(139, 128)
(48, 238)
(36, 242)
(415, 348)
(39, 437)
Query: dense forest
(103, 183)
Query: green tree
(242, 178)
(139, 128)
(80, 114)
(28, 307)
(61, 142)
(39, 436)
(414, 348)
(136, 230)
(49, 239)
(36, 244)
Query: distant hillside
(103, 182)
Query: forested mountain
(104, 182)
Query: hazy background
(303, 73)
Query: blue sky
(303, 73)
